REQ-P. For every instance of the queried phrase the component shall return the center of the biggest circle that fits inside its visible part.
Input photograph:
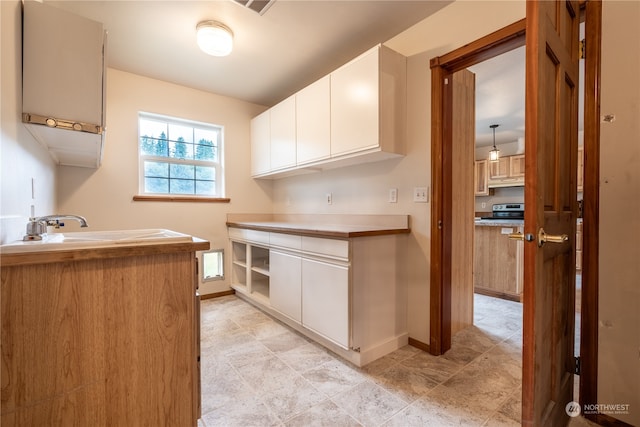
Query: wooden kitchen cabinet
(283, 134)
(101, 337)
(313, 122)
(498, 261)
(516, 166)
(261, 143)
(481, 178)
(580, 177)
(499, 168)
(579, 245)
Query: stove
(507, 211)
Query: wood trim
(497, 294)
(419, 344)
(501, 41)
(591, 208)
(140, 198)
(217, 294)
(436, 302)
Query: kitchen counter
(499, 222)
(329, 226)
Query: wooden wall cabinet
(261, 143)
(283, 134)
(507, 171)
(101, 341)
(499, 168)
(516, 166)
(481, 178)
(313, 122)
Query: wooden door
(463, 136)
(550, 200)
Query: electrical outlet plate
(329, 198)
(420, 195)
(393, 195)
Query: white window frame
(217, 165)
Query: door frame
(487, 47)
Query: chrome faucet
(37, 227)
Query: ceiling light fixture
(214, 38)
(494, 154)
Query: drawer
(254, 236)
(328, 247)
(287, 241)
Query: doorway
(443, 231)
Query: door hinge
(576, 368)
(582, 49)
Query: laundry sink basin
(86, 239)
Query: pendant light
(494, 154)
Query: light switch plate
(420, 195)
(393, 195)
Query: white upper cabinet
(354, 115)
(63, 83)
(261, 143)
(283, 134)
(313, 122)
(354, 105)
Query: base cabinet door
(285, 287)
(325, 300)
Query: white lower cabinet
(325, 300)
(286, 284)
(346, 294)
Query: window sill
(138, 198)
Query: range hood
(63, 83)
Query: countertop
(499, 222)
(86, 253)
(331, 226)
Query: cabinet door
(313, 122)
(325, 300)
(481, 178)
(285, 284)
(499, 168)
(516, 166)
(261, 143)
(283, 134)
(354, 105)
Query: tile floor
(258, 372)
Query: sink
(87, 239)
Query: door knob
(542, 237)
(551, 238)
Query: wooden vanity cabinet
(101, 338)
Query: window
(213, 265)
(179, 157)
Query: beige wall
(104, 195)
(619, 317)
(364, 189)
(21, 157)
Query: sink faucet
(37, 226)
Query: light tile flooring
(258, 372)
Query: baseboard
(418, 344)
(218, 294)
(606, 420)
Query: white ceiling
(294, 43)
(291, 45)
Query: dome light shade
(214, 38)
